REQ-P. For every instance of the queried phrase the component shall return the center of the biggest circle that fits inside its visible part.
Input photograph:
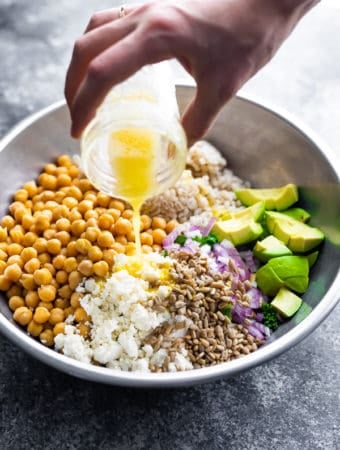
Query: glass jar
(135, 147)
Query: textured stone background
(290, 403)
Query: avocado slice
(270, 247)
(238, 231)
(255, 212)
(290, 271)
(299, 214)
(268, 281)
(312, 258)
(279, 198)
(298, 236)
(286, 302)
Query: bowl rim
(151, 380)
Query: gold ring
(121, 11)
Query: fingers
(201, 112)
(111, 67)
(88, 47)
(109, 15)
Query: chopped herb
(181, 239)
(269, 316)
(165, 253)
(227, 310)
(211, 240)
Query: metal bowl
(261, 145)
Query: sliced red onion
(206, 230)
(262, 328)
(249, 259)
(254, 331)
(190, 246)
(256, 298)
(171, 237)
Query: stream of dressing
(133, 153)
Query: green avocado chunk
(287, 271)
(299, 214)
(312, 258)
(298, 236)
(286, 302)
(238, 231)
(270, 247)
(275, 198)
(240, 227)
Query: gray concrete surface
(290, 403)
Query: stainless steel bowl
(261, 145)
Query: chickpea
(101, 268)
(41, 315)
(130, 249)
(13, 272)
(157, 248)
(74, 191)
(73, 171)
(32, 299)
(38, 206)
(21, 195)
(83, 329)
(27, 221)
(47, 338)
(83, 246)
(40, 245)
(47, 293)
(3, 266)
(51, 205)
(158, 222)
(5, 283)
(16, 235)
(114, 213)
(34, 328)
(42, 222)
(27, 281)
(145, 222)
(49, 234)
(105, 239)
(14, 290)
(74, 279)
(122, 240)
(32, 265)
(47, 181)
(105, 221)
(54, 246)
(50, 267)
(63, 224)
(118, 248)
(16, 302)
(3, 234)
(57, 315)
(64, 160)
(158, 236)
(91, 234)
(122, 226)
(61, 211)
(70, 264)
(29, 239)
(75, 215)
(44, 258)
(3, 255)
(50, 169)
(7, 222)
(65, 292)
(31, 188)
(78, 227)
(63, 179)
(62, 303)
(91, 214)
(85, 205)
(70, 202)
(95, 254)
(69, 311)
(109, 256)
(146, 238)
(61, 276)
(64, 237)
(46, 305)
(15, 259)
(42, 276)
(22, 315)
(117, 204)
(19, 213)
(58, 261)
(14, 249)
(80, 315)
(86, 267)
(28, 253)
(59, 328)
(127, 214)
(92, 222)
(131, 237)
(71, 249)
(85, 185)
(102, 200)
(75, 300)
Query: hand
(221, 43)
